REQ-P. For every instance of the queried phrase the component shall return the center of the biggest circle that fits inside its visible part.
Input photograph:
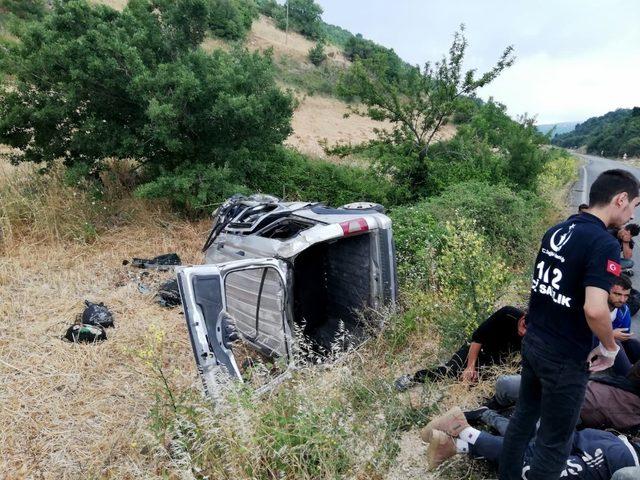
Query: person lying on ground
(611, 401)
(491, 343)
(595, 454)
(625, 236)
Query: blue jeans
(552, 390)
(628, 355)
(628, 473)
(626, 263)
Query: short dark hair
(582, 206)
(633, 228)
(622, 281)
(611, 183)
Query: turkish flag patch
(614, 268)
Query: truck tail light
(354, 226)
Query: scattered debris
(144, 289)
(161, 262)
(97, 314)
(168, 294)
(81, 333)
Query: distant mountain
(613, 134)
(560, 128)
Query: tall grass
(53, 206)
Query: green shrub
(471, 278)
(317, 54)
(512, 222)
(279, 171)
(312, 80)
(231, 19)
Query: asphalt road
(588, 173)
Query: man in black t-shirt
(491, 343)
(572, 276)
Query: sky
(575, 59)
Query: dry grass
(81, 411)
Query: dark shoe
(404, 383)
(492, 404)
(475, 416)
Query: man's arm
(596, 312)
(470, 374)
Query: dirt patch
(319, 120)
(264, 34)
(411, 462)
(115, 4)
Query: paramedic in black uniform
(572, 275)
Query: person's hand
(621, 334)
(470, 375)
(625, 235)
(600, 358)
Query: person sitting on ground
(621, 322)
(491, 343)
(595, 454)
(611, 401)
(625, 236)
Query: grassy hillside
(613, 134)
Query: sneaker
(475, 416)
(404, 383)
(441, 448)
(451, 423)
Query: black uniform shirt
(575, 254)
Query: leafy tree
(91, 83)
(417, 102)
(305, 17)
(23, 9)
(317, 54)
(421, 101)
(231, 19)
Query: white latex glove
(600, 358)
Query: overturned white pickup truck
(275, 270)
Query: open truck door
(244, 299)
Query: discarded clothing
(161, 262)
(168, 294)
(80, 333)
(97, 314)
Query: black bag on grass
(168, 294)
(97, 314)
(80, 333)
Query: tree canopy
(89, 83)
